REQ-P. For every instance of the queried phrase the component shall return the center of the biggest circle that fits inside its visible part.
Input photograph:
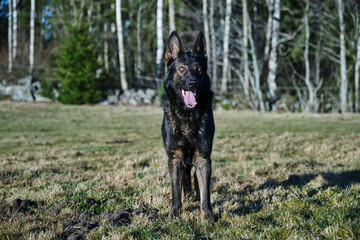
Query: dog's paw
(207, 215)
(175, 212)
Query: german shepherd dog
(188, 124)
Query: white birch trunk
(14, 29)
(32, 37)
(89, 13)
(10, 36)
(256, 68)
(160, 40)
(310, 104)
(123, 81)
(171, 15)
(213, 45)
(344, 81)
(357, 66)
(106, 49)
(245, 49)
(271, 80)
(138, 41)
(206, 30)
(226, 47)
(106, 55)
(318, 81)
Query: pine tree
(78, 63)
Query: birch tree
(213, 45)
(123, 81)
(206, 30)
(32, 37)
(14, 29)
(171, 15)
(160, 40)
(269, 4)
(106, 48)
(245, 51)
(310, 105)
(257, 88)
(138, 40)
(343, 78)
(357, 66)
(271, 80)
(89, 13)
(10, 36)
(226, 47)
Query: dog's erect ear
(200, 44)
(174, 47)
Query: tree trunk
(273, 56)
(160, 40)
(89, 13)
(106, 48)
(171, 15)
(10, 36)
(357, 66)
(124, 85)
(206, 31)
(245, 49)
(32, 36)
(138, 41)
(226, 47)
(344, 81)
(310, 105)
(255, 64)
(213, 46)
(269, 4)
(14, 29)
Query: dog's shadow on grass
(339, 179)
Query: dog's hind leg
(185, 182)
(197, 190)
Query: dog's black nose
(193, 84)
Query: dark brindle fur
(188, 124)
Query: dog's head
(186, 77)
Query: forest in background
(298, 55)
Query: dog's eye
(198, 68)
(181, 69)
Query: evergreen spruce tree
(78, 63)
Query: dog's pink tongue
(189, 98)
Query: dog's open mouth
(189, 98)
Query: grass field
(96, 172)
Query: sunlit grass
(275, 176)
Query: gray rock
(25, 81)
(147, 100)
(133, 102)
(21, 93)
(9, 90)
(150, 92)
(39, 98)
(140, 93)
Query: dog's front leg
(203, 173)
(174, 170)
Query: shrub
(47, 90)
(78, 63)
